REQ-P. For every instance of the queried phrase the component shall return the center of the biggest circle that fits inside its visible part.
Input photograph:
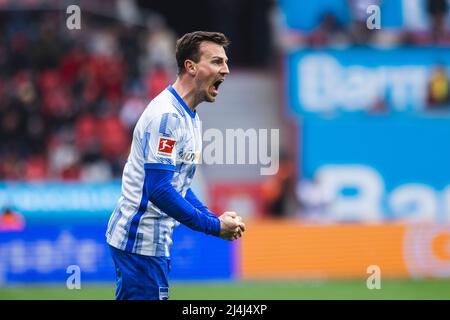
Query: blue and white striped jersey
(167, 134)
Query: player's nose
(224, 70)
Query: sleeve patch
(165, 146)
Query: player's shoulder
(164, 104)
(161, 106)
(158, 115)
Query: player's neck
(187, 92)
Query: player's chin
(211, 97)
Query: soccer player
(156, 195)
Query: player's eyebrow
(219, 58)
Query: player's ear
(190, 66)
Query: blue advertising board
(372, 166)
(53, 202)
(380, 168)
(334, 81)
(42, 254)
(65, 225)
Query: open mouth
(217, 84)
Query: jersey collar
(180, 100)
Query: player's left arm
(196, 203)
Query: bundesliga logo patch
(165, 146)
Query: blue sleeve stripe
(145, 144)
(163, 124)
(160, 166)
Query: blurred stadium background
(364, 179)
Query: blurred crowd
(69, 99)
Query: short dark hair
(188, 46)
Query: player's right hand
(231, 226)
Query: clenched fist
(231, 226)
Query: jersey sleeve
(162, 142)
(160, 192)
(196, 203)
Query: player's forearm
(161, 192)
(193, 200)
